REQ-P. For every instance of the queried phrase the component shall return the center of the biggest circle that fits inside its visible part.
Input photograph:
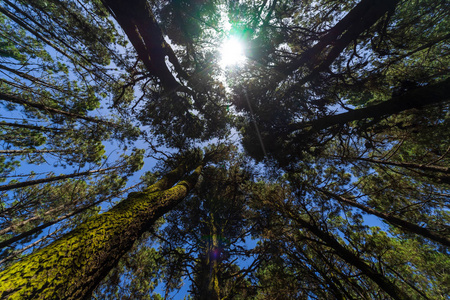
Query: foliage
(325, 154)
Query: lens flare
(231, 52)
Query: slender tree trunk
(31, 151)
(18, 100)
(32, 127)
(71, 267)
(32, 79)
(49, 223)
(422, 167)
(384, 283)
(38, 34)
(405, 225)
(438, 178)
(335, 284)
(12, 186)
(209, 276)
(417, 98)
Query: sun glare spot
(231, 52)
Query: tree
(341, 109)
(75, 263)
(213, 223)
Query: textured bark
(393, 220)
(71, 267)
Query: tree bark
(71, 267)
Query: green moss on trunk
(71, 267)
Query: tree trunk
(137, 20)
(405, 225)
(32, 151)
(438, 178)
(71, 267)
(363, 16)
(351, 258)
(209, 274)
(12, 186)
(16, 99)
(422, 167)
(32, 127)
(417, 98)
(49, 223)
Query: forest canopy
(264, 149)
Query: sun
(231, 52)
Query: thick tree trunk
(71, 267)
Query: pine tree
(341, 109)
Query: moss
(72, 266)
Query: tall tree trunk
(18, 100)
(363, 16)
(71, 267)
(32, 151)
(435, 176)
(393, 220)
(351, 258)
(417, 98)
(408, 165)
(12, 186)
(209, 274)
(50, 223)
(32, 127)
(137, 20)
